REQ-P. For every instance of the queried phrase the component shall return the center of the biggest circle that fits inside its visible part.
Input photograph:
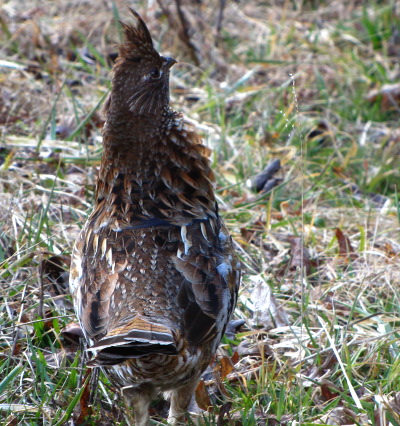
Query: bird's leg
(137, 399)
(182, 399)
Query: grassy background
(311, 83)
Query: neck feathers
(156, 175)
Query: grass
(292, 81)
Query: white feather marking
(103, 247)
(203, 230)
(212, 224)
(103, 224)
(88, 234)
(185, 239)
(95, 243)
(116, 227)
(110, 260)
(224, 269)
(222, 236)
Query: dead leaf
(300, 255)
(74, 329)
(12, 420)
(267, 313)
(390, 250)
(235, 358)
(346, 250)
(225, 367)
(71, 335)
(85, 407)
(248, 348)
(248, 234)
(340, 416)
(388, 96)
(17, 348)
(202, 398)
(326, 392)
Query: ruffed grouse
(154, 275)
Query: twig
(222, 4)
(185, 34)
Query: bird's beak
(169, 62)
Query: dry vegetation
(313, 84)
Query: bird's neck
(133, 134)
(164, 175)
(131, 148)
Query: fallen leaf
(202, 397)
(84, 403)
(300, 255)
(225, 367)
(254, 349)
(13, 421)
(235, 358)
(340, 416)
(388, 96)
(71, 334)
(267, 313)
(346, 250)
(74, 329)
(326, 391)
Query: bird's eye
(155, 73)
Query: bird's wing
(211, 275)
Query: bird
(154, 274)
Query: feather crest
(138, 42)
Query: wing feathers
(208, 291)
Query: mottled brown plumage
(154, 275)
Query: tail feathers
(135, 339)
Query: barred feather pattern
(154, 275)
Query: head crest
(138, 42)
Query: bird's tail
(139, 337)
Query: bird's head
(141, 74)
